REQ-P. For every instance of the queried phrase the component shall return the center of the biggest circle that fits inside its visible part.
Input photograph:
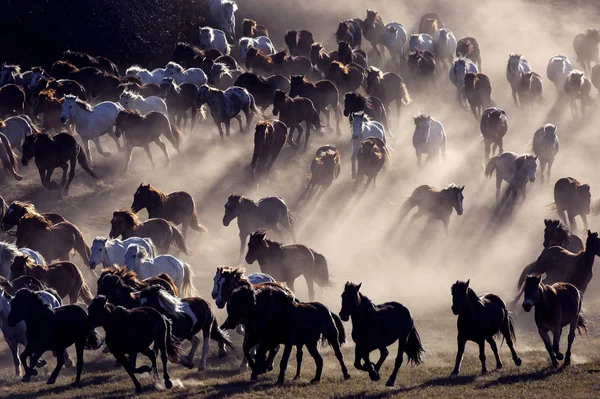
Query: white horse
(558, 69)
(261, 43)
(17, 127)
(91, 122)
(156, 76)
(545, 145)
(223, 13)
(180, 75)
(394, 39)
(421, 42)
(18, 334)
(459, 68)
(131, 100)
(515, 68)
(513, 169)
(112, 252)
(213, 38)
(8, 252)
(429, 138)
(444, 44)
(137, 259)
(363, 127)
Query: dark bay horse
(493, 127)
(572, 198)
(372, 155)
(375, 327)
(129, 332)
(52, 241)
(430, 23)
(388, 87)
(480, 318)
(324, 169)
(64, 277)
(556, 233)
(126, 223)
(478, 92)
(347, 78)
(371, 106)
(292, 112)
(55, 152)
(422, 66)
(556, 306)
(51, 329)
(324, 95)
(269, 139)
(12, 100)
(372, 29)
(287, 263)
(467, 47)
(262, 89)
(251, 29)
(118, 283)
(268, 212)
(18, 209)
(177, 207)
(320, 59)
(179, 99)
(349, 31)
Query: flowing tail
(490, 167)
(81, 246)
(196, 223)
(581, 324)
(408, 205)
(84, 163)
(321, 271)
(405, 95)
(511, 327)
(85, 293)
(340, 328)
(254, 108)
(9, 159)
(172, 345)
(169, 281)
(414, 348)
(175, 135)
(187, 288)
(179, 240)
(219, 335)
(94, 340)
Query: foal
(293, 111)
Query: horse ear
(467, 284)
(546, 222)
(135, 295)
(358, 286)
(462, 188)
(589, 233)
(535, 158)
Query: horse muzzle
(220, 304)
(455, 311)
(344, 316)
(527, 305)
(226, 222)
(92, 265)
(459, 212)
(24, 161)
(112, 235)
(63, 120)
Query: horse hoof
(270, 368)
(389, 383)
(107, 154)
(201, 368)
(253, 377)
(559, 356)
(499, 366)
(453, 375)
(554, 363)
(26, 378)
(567, 361)
(374, 376)
(138, 388)
(168, 384)
(50, 381)
(41, 363)
(280, 381)
(315, 380)
(346, 376)
(33, 372)
(518, 362)
(68, 363)
(222, 354)
(18, 178)
(483, 371)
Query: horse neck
(587, 258)
(250, 212)
(473, 302)
(364, 309)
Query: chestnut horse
(269, 139)
(18, 209)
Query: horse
(12, 100)
(429, 138)
(394, 39)
(10, 74)
(61, 87)
(324, 169)
(373, 30)
(144, 90)
(85, 60)
(512, 167)
(422, 65)
(119, 283)
(444, 46)
(558, 69)
(421, 42)
(467, 47)
(387, 87)
(226, 105)
(64, 277)
(262, 89)
(179, 99)
(18, 209)
(250, 28)
(480, 318)
(586, 48)
(430, 23)
(299, 42)
(87, 76)
(434, 204)
(107, 87)
(137, 259)
(261, 43)
(91, 122)
(51, 329)
(478, 92)
(516, 67)
(155, 76)
(320, 59)
(133, 331)
(573, 198)
(556, 233)
(223, 13)
(52, 241)
(189, 316)
(55, 152)
(530, 90)
(578, 88)
(47, 104)
(228, 279)
(371, 106)
(268, 212)
(185, 54)
(16, 128)
(347, 55)
(349, 31)
(126, 223)
(131, 100)
(377, 327)
(109, 252)
(292, 112)
(140, 130)
(458, 70)
(545, 146)
(9, 251)
(372, 155)
(362, 128)
(493, 127)
(279, 62)
(180, 75)
(287, 263)
(8, 157)
(213, 38)
(347, 78)
(269, 139)
(556, 306)
(283, 319)
(324, 95)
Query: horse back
(389, 321)
(203, 313)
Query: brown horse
(324, 169)
(373, 29)
(49, 105)
(51, 241)
(347, 78)
(141, 130)
(299, 42)
(251, 29)
(180, 99)
(430, 23)
(125, 223)
(371, 106)
(288, 262)
(7, 155)
(177, 207)
(530, 90)
(493, 126)
(12, 100)
(573, 198)
(347, 55)
(422, 65)
(578, 88)
(478, 92)
(371, 157)
(556, 306)
(586, 48)
(556, 233)
(292, 112)
(64, 277)
(467, 47)
(25, 281)
(322, 59)
(387, 87)
(323, 94)
(262, 89)
(18, 209)
(269, 139)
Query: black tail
(219, 335)
(94, 340)
(414, 348)
(581, 324)
(490, 167)
(83, 162)
(340, 327)
(321, 271)
(171, 343)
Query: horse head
(256, 243)
(593, 242)
(460, 296)
(350, 300)
(357, 122)
(141, 198)
(457, 197)
(555, 233)
(24, 304)
(531, 291)
(28, 148)
(133, 256)
(68, 108)
(97, 311)
(98, 252)
(584, 197)
(514, 62)
(229, 9)
(239, 307)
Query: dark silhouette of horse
(251, 29)
(321, 59)
(347, 78)
(556, 233)
(373, 29)
(324, 95)
(86, 76)
(324, 169)
(480, 318)
(119, 283)
(387, 87)
(269, 139)
(46, 103)
(18, 209)
(262, 89)
(350, 31)
(347, 55)
(430, 23)
(478, 92)
(184, 54)
(493, 127)
(545, 145)
(277, 63)
(61, 87)
(292, 112)
(12, 100)
(578, 88)
(595, 76)
(371, 106)
(372, 156)
(422, 65)
(179, 99)
(299, 42)
(82, 60)
(467, 47)
(573, 198)
(25, 281)
(530, 90)
(375, 327)
(556, 306)
(586, 48)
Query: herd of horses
(145, 299)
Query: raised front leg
(14, 350)
(129, 369)
(188, 360)
(459, 355)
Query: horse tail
(179, 241)
(316, 120)
(254, 108)
(581, 323)
(84, 163)
(85, 293)
(171, 343)
(175, 134)
(81, 246)
(94, 341)
(221, 336)
(195, 224)
(409, 204)
(340, 328)
(405, 95)
(490, 167)
(321, 271)
(11, 161)
(187, 288)
(169, 281)
(414, 348)
(529, 269)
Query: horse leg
(87, 146)
(353, 166)
(487, 144)
(585, 222)
(194, 112)
(150, 354)
(228, 126)
(418, 158)
(128, 154)
(383, 354)
(239, 119)
(314, 352)
(556, 333)
(163, 147)
(506, 332)
(189, 359)
(29, 370)
(298, 361)
(291, 136)
(60, 361)
(401, 348)
(283, 363)
(571, 337)
(71, 175)
(96, 141)
(14, 350)
(415, 217)
(357, 358)
(572, 222)
(205, 348)
(65, 169)
(494, 347)
(482, 356)
(546, 338)
(129, 369)
(149, 154)
(219, 127)
(498, 184)
(310, 283)
(549, 171)
(459, 355)
(242, 246)
(514, 96)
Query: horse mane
(8, 250)
(49, 94)
(131, 113)
(136, 69)
(72, 68)
(420, 117)
(170, 304)
(131, 95)
(157, 195)
(254, 53)
(143, 254)
(376, 72)
(82, 104)
(30, 264)
(325, 156)
(13, 68)
(341, 67)
(236, 273)
(175, 66)
(2, 124)
(126, 274)
(221, 68)
(36, 219)
(228, 4)
(363, 101)
(460, 286)
(127, 215)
